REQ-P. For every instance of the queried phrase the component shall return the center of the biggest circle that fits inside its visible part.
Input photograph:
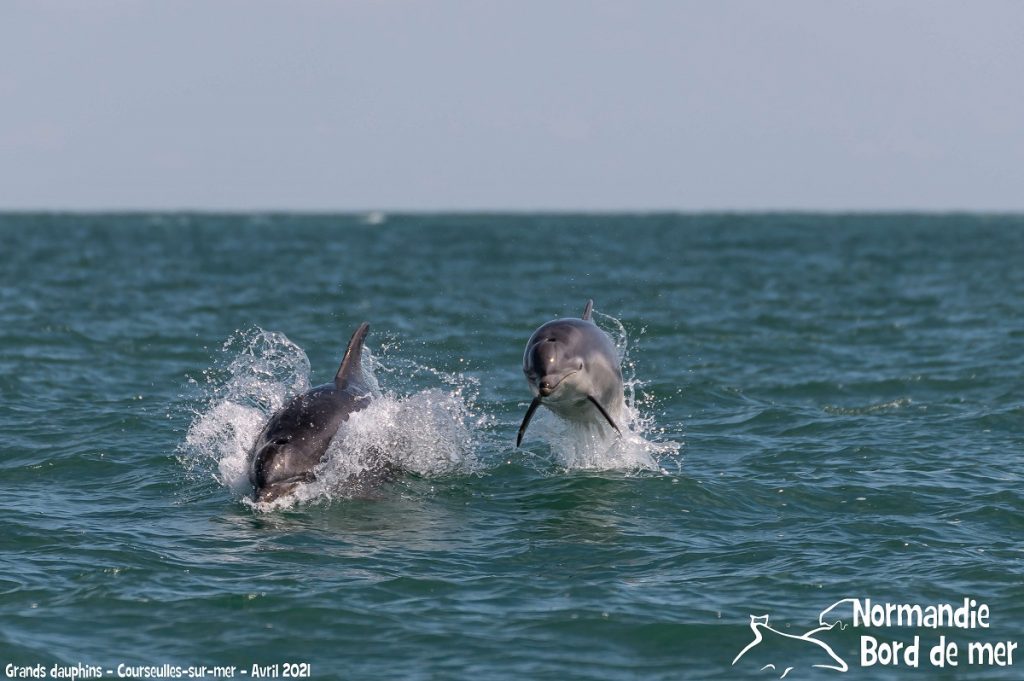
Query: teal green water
(834, 404)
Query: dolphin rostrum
(296, 437)
(573, 369)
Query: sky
(512, 106)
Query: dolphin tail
(352, 363)
(604, 413)
(526, 420)
(588, 309)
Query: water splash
(592, 446)
(432, 432)
(252, 377)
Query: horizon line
(388, 212)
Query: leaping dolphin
(573, 369)
(296, 437)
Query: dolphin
(573, 369)
(296, 437)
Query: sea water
(823, 407)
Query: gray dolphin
(573, 370)
(296, 437)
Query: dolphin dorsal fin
(352, 361)
(588, 309)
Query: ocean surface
(825, 407)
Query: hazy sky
(639, 105)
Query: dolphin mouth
(281, 488)
(546, 390)
(274, 492)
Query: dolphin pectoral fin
(351, 363)
(608, 418)
(587, 310)
(526, 419)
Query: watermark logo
(779, 652)
(778, 644)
